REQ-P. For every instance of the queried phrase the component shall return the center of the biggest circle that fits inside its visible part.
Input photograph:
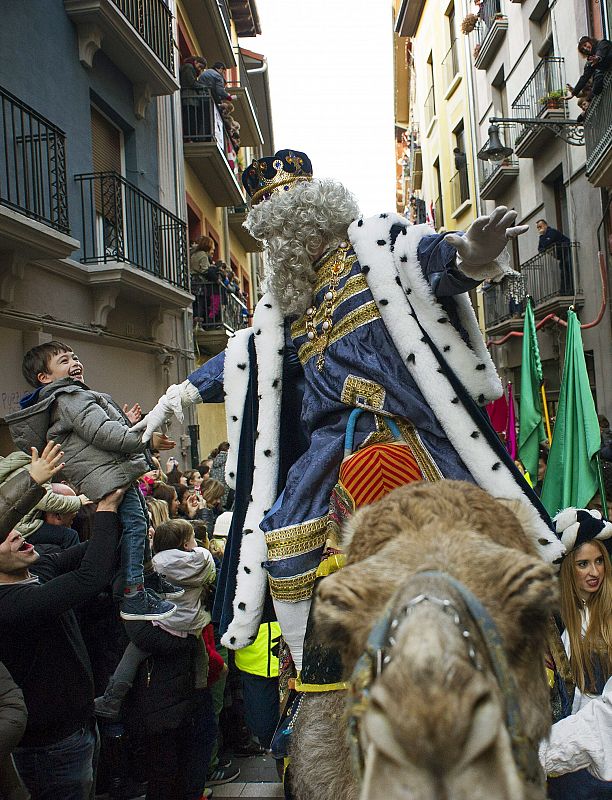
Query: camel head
(440, 706)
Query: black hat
(276, 173)
(577, 526)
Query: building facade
(101, 193)
(522, 55)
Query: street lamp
(569, 130)
(495, 150)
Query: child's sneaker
(162, 588)
(144, 606)
(109, 705)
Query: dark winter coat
(553, 238)
(214, 81)
(101, 452)
(603, 52)
(164, 691)
(18, 495)
(13, 713)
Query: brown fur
(430, 706)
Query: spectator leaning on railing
(598, 53)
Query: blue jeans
(202, 738)
(66, 769)
(261, 711)
(134, 539)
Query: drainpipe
(226, 239)
(469, 74)
(259, 70)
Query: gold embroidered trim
(292, 590)
(429, 468)
(356, 391)
(325, 273)
(296, 540)
(352, 287)
(353, 320)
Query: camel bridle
(484, 648)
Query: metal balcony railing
(33, 164)
(460, 187)
(545, 276)
(216, 307)
(121, 223)
(450, 64)
(153, 21)
(544, 89)
(488, 12)
(487, 169)
(430, 107)
(202, 122)
(598, 125)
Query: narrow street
(258, 778)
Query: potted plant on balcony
(469, 23)
(553, 99)
(477, 48)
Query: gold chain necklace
(328, 304)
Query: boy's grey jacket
(100, 450)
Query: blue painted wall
(39, 63)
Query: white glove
(176, 398)
(481, 251)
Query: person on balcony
(214, 79)
(598, 54)
(552, 238)
(206, 289)
(191, 94)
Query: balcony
(217, 315)
(540, 97)
(236, 218)
(598, 136)
(460, 191)
(208, 148)
(33, 197)
(495, 177)
(548, 278)
(136, 35)
(429, 108)
(134, 245)
(450, 68)
(489, 33)
(245, 110)
(210, 21)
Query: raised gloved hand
(177, 397)
(481, 250)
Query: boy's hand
(134, 414)
(159, 441)
(112, 501)
(45, 465)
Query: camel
(433, 722)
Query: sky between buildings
(331, 84)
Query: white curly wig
(297, 227)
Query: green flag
(572, 472)
(531, 427)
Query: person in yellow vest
(258, 665)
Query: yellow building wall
(213, 429)
(433, 37)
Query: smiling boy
(102, 454)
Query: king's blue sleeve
(208, 379)
(438, 262)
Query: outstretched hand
(486, 237)
(169, 404)
(134, 414)
(45, 465)
(159, 441)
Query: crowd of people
(112, 676)
(212, 283)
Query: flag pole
(546, 417)
(602, 490)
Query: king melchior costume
(389, 330)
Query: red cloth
(215, 661)
(498, 414)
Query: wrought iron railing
(547, 275)
(598, 125)
(450, 64)
(489, 11)
(121, 223)
(430, 107)
(33, 166)
(487, 168)
(460, 187)
(153, 21)
(216, 307)
(202, 122)
(544, 90)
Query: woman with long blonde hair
(584, 739)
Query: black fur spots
(247, 570)
(242, 606)
(246, 531)
(383, 216)
(359, 223)
(481, 399)
(403, 259)
(234, 418)
(443, 320)
(365, 269)
(455, 400)
(480, 366)
(281, 351)
(242, 366)
(398, 280)
(232, 474)
(475, 434)
(381, 242)
(446, 348)
(496, 466)
(268, 305)
(275, 383)
(411, 358)
(232, 640)
(258, 332)
(404, 231)
(543, 542)
(267, 453)
(384, 302)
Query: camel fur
(435, 726)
